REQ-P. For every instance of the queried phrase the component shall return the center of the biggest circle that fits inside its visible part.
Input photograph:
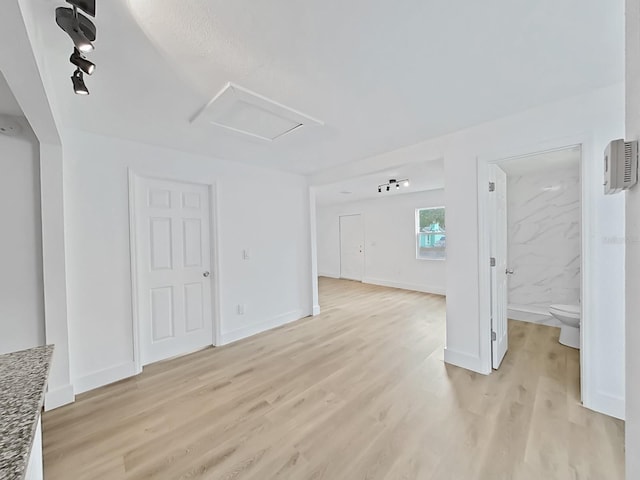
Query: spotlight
(78, 83)
(388, 188)
(82, 63)
(379, 189)
(397, 186)
(81, 30)
(406, 183)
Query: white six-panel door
(173, 261)
(351, 247)
(499, 285)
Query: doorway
(532, 224)
(351, 247)
(173, 265)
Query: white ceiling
(381, 74)
(422, 176)
(545, 161)
(8, 103)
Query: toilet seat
(572, 311)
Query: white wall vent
(620, 166)
(244, 111)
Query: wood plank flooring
(359, 392)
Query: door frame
(214, 245)
(585, 143)
(364, 252)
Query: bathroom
(544, 240)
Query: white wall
(390, 241)
(544, 239)
(593, 120)
(264, 211)
(21, 291)
(632, 427)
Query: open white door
(173, 258)
(351, 247)
(498, 242)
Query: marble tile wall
(544, 239)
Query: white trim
(59, 397)
(611, 405)
(254, 329)
(313, 250)
(405, 286)
(585, 142)
(104, 377)
(329, 275)
(215, 255)
(133, 248)
(463, 360)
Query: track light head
(379, 189)
(388, 188)
(80, 29)
(82, 63)
(405, 183)
(79, 86)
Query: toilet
(569, 315)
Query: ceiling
(421, 175)
(545, 161)
(8, 103)
(380, 74)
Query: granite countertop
(23, 380)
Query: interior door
(498, 242)
(173, 268)
(351, 247)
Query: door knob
(206, 274)
(509, 271)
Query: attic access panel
(240, 110)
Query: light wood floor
(359, 392)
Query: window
(431, 238)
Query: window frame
(417, 233)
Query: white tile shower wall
(544, 242)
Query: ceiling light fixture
(392, 182)
(82, 63)
(80, 29)
(78, 83)
(82, 32)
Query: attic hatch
(241, 110)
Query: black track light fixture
(393, 182)
(78, 83)
(82, 33)
(81, 62)
(80, 29)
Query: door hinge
(494, 337)
(492, 186)
(492, 261)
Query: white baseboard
(405, 286)
(611, 405)
(59, 397)
(329, 275)
(525, 313)
(235, 335)
(464, 360)
(104, 377)
(316, 310)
